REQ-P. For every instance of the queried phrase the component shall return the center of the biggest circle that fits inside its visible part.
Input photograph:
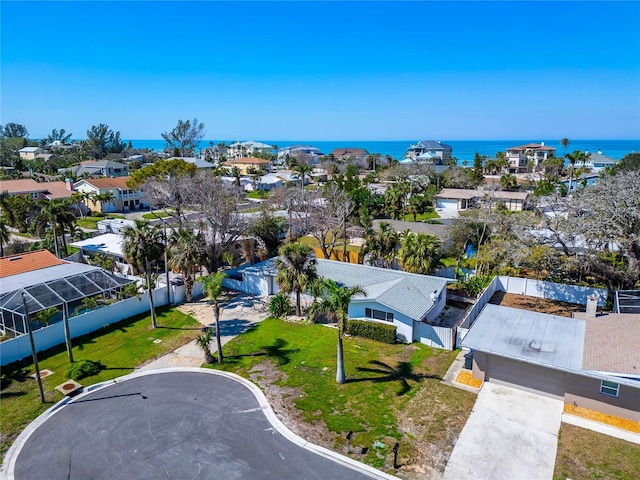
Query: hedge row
(373, 330)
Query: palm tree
(419, 253)
(4, 237)
(236, 174)
(576, 156)
(212, 284)
(303, 169)
(565, 143)
(57, 215)
(142, 246)
(105, 198)
(381, 244)
(296, 270)
(185, 255)
(337, 303)
(202, 341)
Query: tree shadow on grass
(4, 395)
(275, 352)
(402, 374)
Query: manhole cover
(43, 374)
(68, 387)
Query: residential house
(47, 281)
(248, 148)
(520, 156)
(429, 150)
(125, 198)
(97, 168)
(589, 361)
(408, 301)
(596, 162)
(197, 161)
(114, 225)
(30, 153)
(246, 165)
(346, 153)
(302, 153)
(37, 191)
(109, 245)
(265, 182)
(453, 200)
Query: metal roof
(533, 337)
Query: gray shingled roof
(406, 293)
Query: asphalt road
(177, 425)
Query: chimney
(542, 143)
(592, 306)
(69, 182)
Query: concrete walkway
(509, 434)
(238, 315)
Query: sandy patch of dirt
(266, 375)
(542, 305)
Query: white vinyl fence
(18, 348)
(438, 337)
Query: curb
(7, 469)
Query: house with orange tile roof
(125, 198)
(520, 156)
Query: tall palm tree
(576, 156)
(565, 143)
(296, 270)
(105, 198)
(336, 303)
(143, 245)
(4, 237)
(57, 215)
(236, 174)
(5, 207)
(302, 169)
(212, 284)
(419, 253)
(185, 255)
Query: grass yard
(430, 215)
(258, 195)
(91, 223)
(586, 454)
(156, 215)
(393, 393)
(313, 242)
(120, 347)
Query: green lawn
(120, 347)
(393, 392)
(260, 194)
(430, 215)
(92, 222)
(313, 242)
(587, 454)
(155, 215)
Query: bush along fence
(375, 331)
(531, 288)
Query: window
(378, 315)
(609, 388)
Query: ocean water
(462, 149)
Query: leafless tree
(215, 204)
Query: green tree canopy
(185, 136)
(101, 140)
(296, 270)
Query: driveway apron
(510, 434)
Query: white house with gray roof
(408, 301)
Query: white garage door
(525, 376)
(448, 205)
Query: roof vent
(15, 258)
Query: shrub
(84, 368)
(473, 286)
(373, 330)
(279, 305)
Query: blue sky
(326, 70)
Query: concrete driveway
(510, 434)
(189, 424)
